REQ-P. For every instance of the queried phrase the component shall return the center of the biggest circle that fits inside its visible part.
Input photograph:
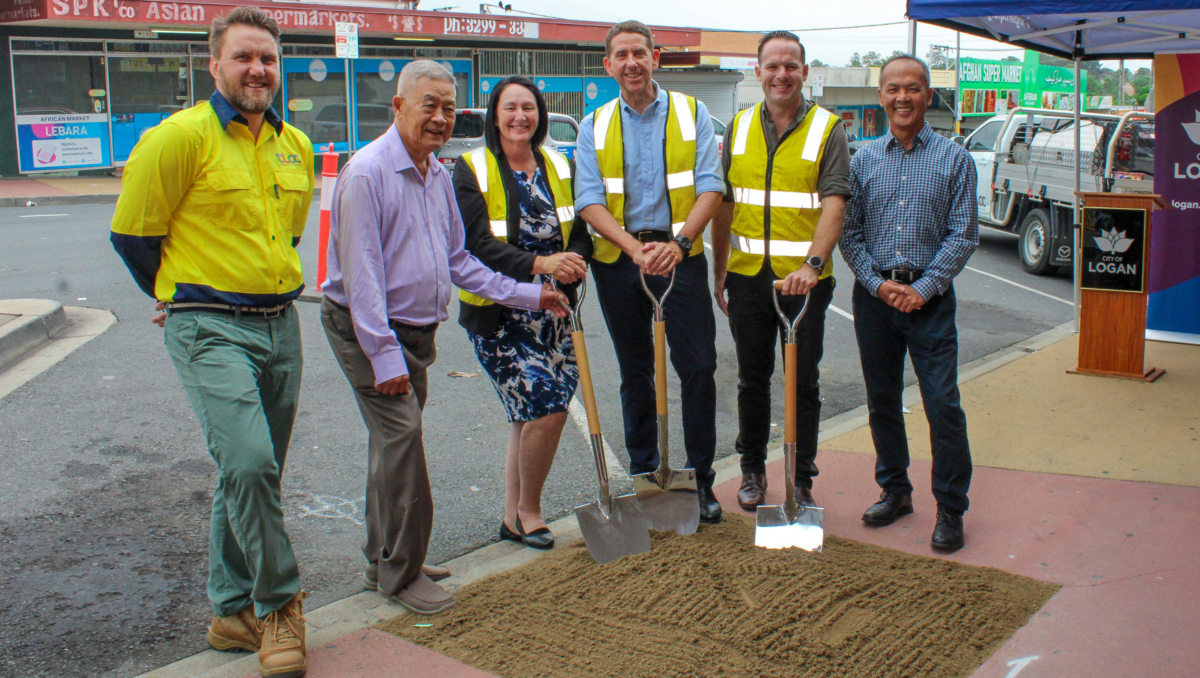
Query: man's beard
(249, 103)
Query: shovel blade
(674, 505)
(776, 530)
(616, 535)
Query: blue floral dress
(530, 358)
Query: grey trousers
(399, 510)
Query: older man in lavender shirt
(396, 246)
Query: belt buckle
(901, 276)
(272, 313)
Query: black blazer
(503, 257)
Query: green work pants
(242, 376)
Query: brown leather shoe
(753, 491)
(242, 631)
(282, 654)
(804, 496)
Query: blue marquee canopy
(1127, 29)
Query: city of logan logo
(1112, 241)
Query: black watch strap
(684, 242)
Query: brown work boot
(242, 631)
(753, 491)
(282, 654)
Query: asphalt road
(106, 481)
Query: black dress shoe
(541, 538)
(710, 508)
(508, 534)
(948, 533)
(890, 506)
(804, 496)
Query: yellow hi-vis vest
(680, 156)
(486, 169)
(785, 183)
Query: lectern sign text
(1114, 249)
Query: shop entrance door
(144, 91)
(315, 91)
(374, 86)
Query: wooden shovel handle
(660, 366)
(779, 284)
(789, 393)
(585, 383)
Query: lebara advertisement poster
(1173, 313)
(62, 141)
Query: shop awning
(1127, 29)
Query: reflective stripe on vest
(680, 170)
(792, 195)
(486, 169)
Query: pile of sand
(712, 604)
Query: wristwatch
(685, 244)
(816, 262)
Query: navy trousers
(930, 336)
(691, 338)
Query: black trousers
(755, 326)
(691, 337)
(930, 336)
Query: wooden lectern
(1114, 259)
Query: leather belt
(237, 311)
(902, 276)
(652, 236)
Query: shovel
(787, 525)
(612, 527)
(669, 498)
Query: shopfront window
(145, 91)
(52, 83)
(375, 83)
(317, 100)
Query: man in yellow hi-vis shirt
(213, 202)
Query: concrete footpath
(1088, 482)
(37, 333)
(59, 191)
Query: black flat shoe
(540, 538)
(891, 505)
(508, 534)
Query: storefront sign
(346, 40)
(315, 17)
(1114, 249)
(62, 142)
(989, 87)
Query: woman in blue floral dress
(518, 208)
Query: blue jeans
(930, 336)
(692, 339)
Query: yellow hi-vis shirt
(210, 214)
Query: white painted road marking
(1018, 664)
(842, 313)
(29, 216)
(579, 416)
(1060, 300)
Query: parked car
(719, 133)
(468, 134)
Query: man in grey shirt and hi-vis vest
(787, 171)
(648, 181)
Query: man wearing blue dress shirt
(648, 182)
(910, 229)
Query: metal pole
(1121, 89)
(957, 84)
(912, 38)
(1077, 228)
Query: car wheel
(1034, 243)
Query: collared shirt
(209, 213)
(913, 210)
(833, 176)
(647, 205)
(396, 245)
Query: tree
(872, 58)
(855, 61)
(939, 59)
(817, 63)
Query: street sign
(346, 39)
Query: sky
(833, 47)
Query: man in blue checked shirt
(910, 228)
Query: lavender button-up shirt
(396, 246)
